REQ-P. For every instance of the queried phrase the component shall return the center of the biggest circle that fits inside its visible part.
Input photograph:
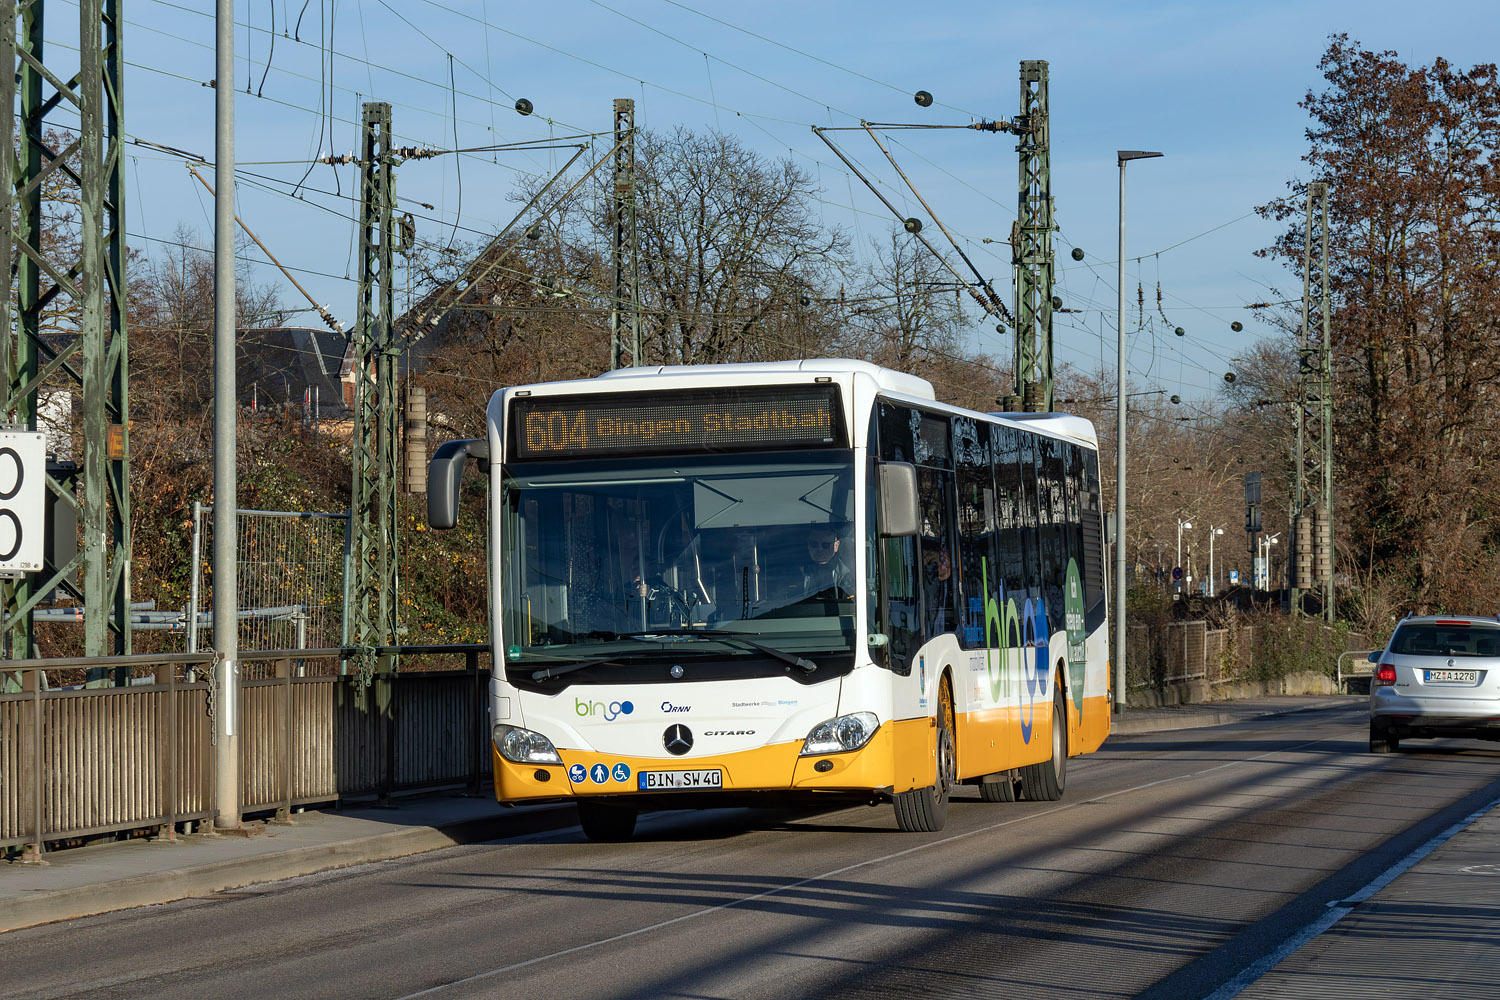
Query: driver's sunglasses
(814, 543)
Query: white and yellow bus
(795, 581)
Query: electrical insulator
(416, 439)
(1322, 544)
(923, 99)
(1236, 326)
(524, 106)
(913, 225)
(1180, 332)
(1077, 253)
(1302, 552)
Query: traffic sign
(1177, 572)
(23, 494)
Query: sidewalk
(1430, 932)
(136, 873)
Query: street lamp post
(1123, 157)
(1213, 581)
(1265, 563)
(1180, 525)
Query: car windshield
(612, 560)
(1439, 639)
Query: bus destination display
(717, 420)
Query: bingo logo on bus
(599, 710)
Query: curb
(1196, 720)
(1192, 718)
(206, 879)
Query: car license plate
(1451, 676)
(656, 781)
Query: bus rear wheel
(1001, 790)
(606, 823)
(925, 810)
(1044, 782)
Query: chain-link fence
(291, 578)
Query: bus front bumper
(900, 756)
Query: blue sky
(1213, 85)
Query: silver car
(1438, 676)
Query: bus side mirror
(445, 472)
(898, 499)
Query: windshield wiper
(799, 662)
(568, 668)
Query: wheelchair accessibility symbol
(621, 772)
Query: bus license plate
(1452, 676)
(656, 781)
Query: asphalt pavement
(1456, 876)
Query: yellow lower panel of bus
(992, 739)
(1095, 726)
(900, 756)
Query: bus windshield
(619, 558)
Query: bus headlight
(845, 733)
(522, 746)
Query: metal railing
(77, 762)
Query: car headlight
(522, 746)
(845, 733)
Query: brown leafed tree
(1412, 160)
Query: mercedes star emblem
(678, 740)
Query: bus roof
(887, 379)
(912, 388)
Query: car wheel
(605, 823)
(925, 810)
(1045, 782)
(1382, 741)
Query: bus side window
(977, 520)
(939, 582)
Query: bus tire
(1045, 782)
(1003, 790)
(925, 810)
(605, 823)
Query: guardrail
(78, 762)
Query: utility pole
(1031, 246)
(226, 637)
(371, 564)
(1312, 496)
(622, 212)
(90, 289)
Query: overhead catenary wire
(259, 28)
(990, 305)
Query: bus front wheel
(1044, 782)
(925, 810)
